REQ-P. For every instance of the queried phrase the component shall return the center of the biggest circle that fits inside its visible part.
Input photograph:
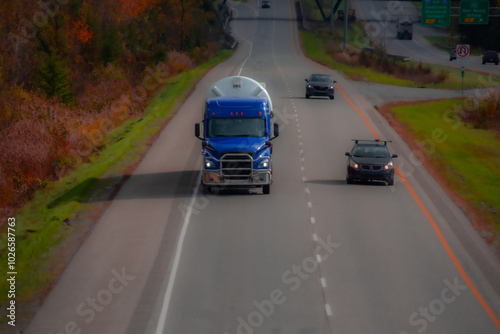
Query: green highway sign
(474, 12)
(436, 13)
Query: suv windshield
(371, 151)
(320, 78)
(236, 127)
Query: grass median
(316, 48)
(467, 159)
(46, 222)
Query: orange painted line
(462, 272)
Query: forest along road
(315, 256)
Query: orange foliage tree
(134, 8)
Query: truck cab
(404, 29)
(237, 134)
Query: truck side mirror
(197, 130)
(276, 130)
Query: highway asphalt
(316, 256)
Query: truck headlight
(209, 164)
(263, 164)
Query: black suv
(320, 85)
(490, 57)
(370, 160)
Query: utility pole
(385, 37)
(331, 16)
(346, 18)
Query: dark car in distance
(320, 85)
(490, 56)
(266, 4)
(453, 54)
(370, 160)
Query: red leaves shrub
(179, 62)
(483, 113)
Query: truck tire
(266, 189)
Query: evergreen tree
(111, 47)
(53, 78)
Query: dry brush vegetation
(71, 71)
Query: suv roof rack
(377, 140)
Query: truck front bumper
(258, 178)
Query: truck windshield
(236, 127)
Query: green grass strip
(40, 225)
(468, 158)
(315, 48)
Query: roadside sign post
(463, 52)
(463, 74)
(436, 13)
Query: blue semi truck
(237, 134)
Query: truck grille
(236, 165)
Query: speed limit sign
(463, 52)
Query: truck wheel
(266, 189)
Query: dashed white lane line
(318, 258)
(328, 310)
(323, 282)
(313, 221)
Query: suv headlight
(353, 164)
(390, 165)
(263, 164)
(209, 164)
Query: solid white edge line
(168, 293)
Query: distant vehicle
(351, 15)
(453, 54)
(404, 29)
(320, 85)
(266, 4)
(370, 160)
(490, 57)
